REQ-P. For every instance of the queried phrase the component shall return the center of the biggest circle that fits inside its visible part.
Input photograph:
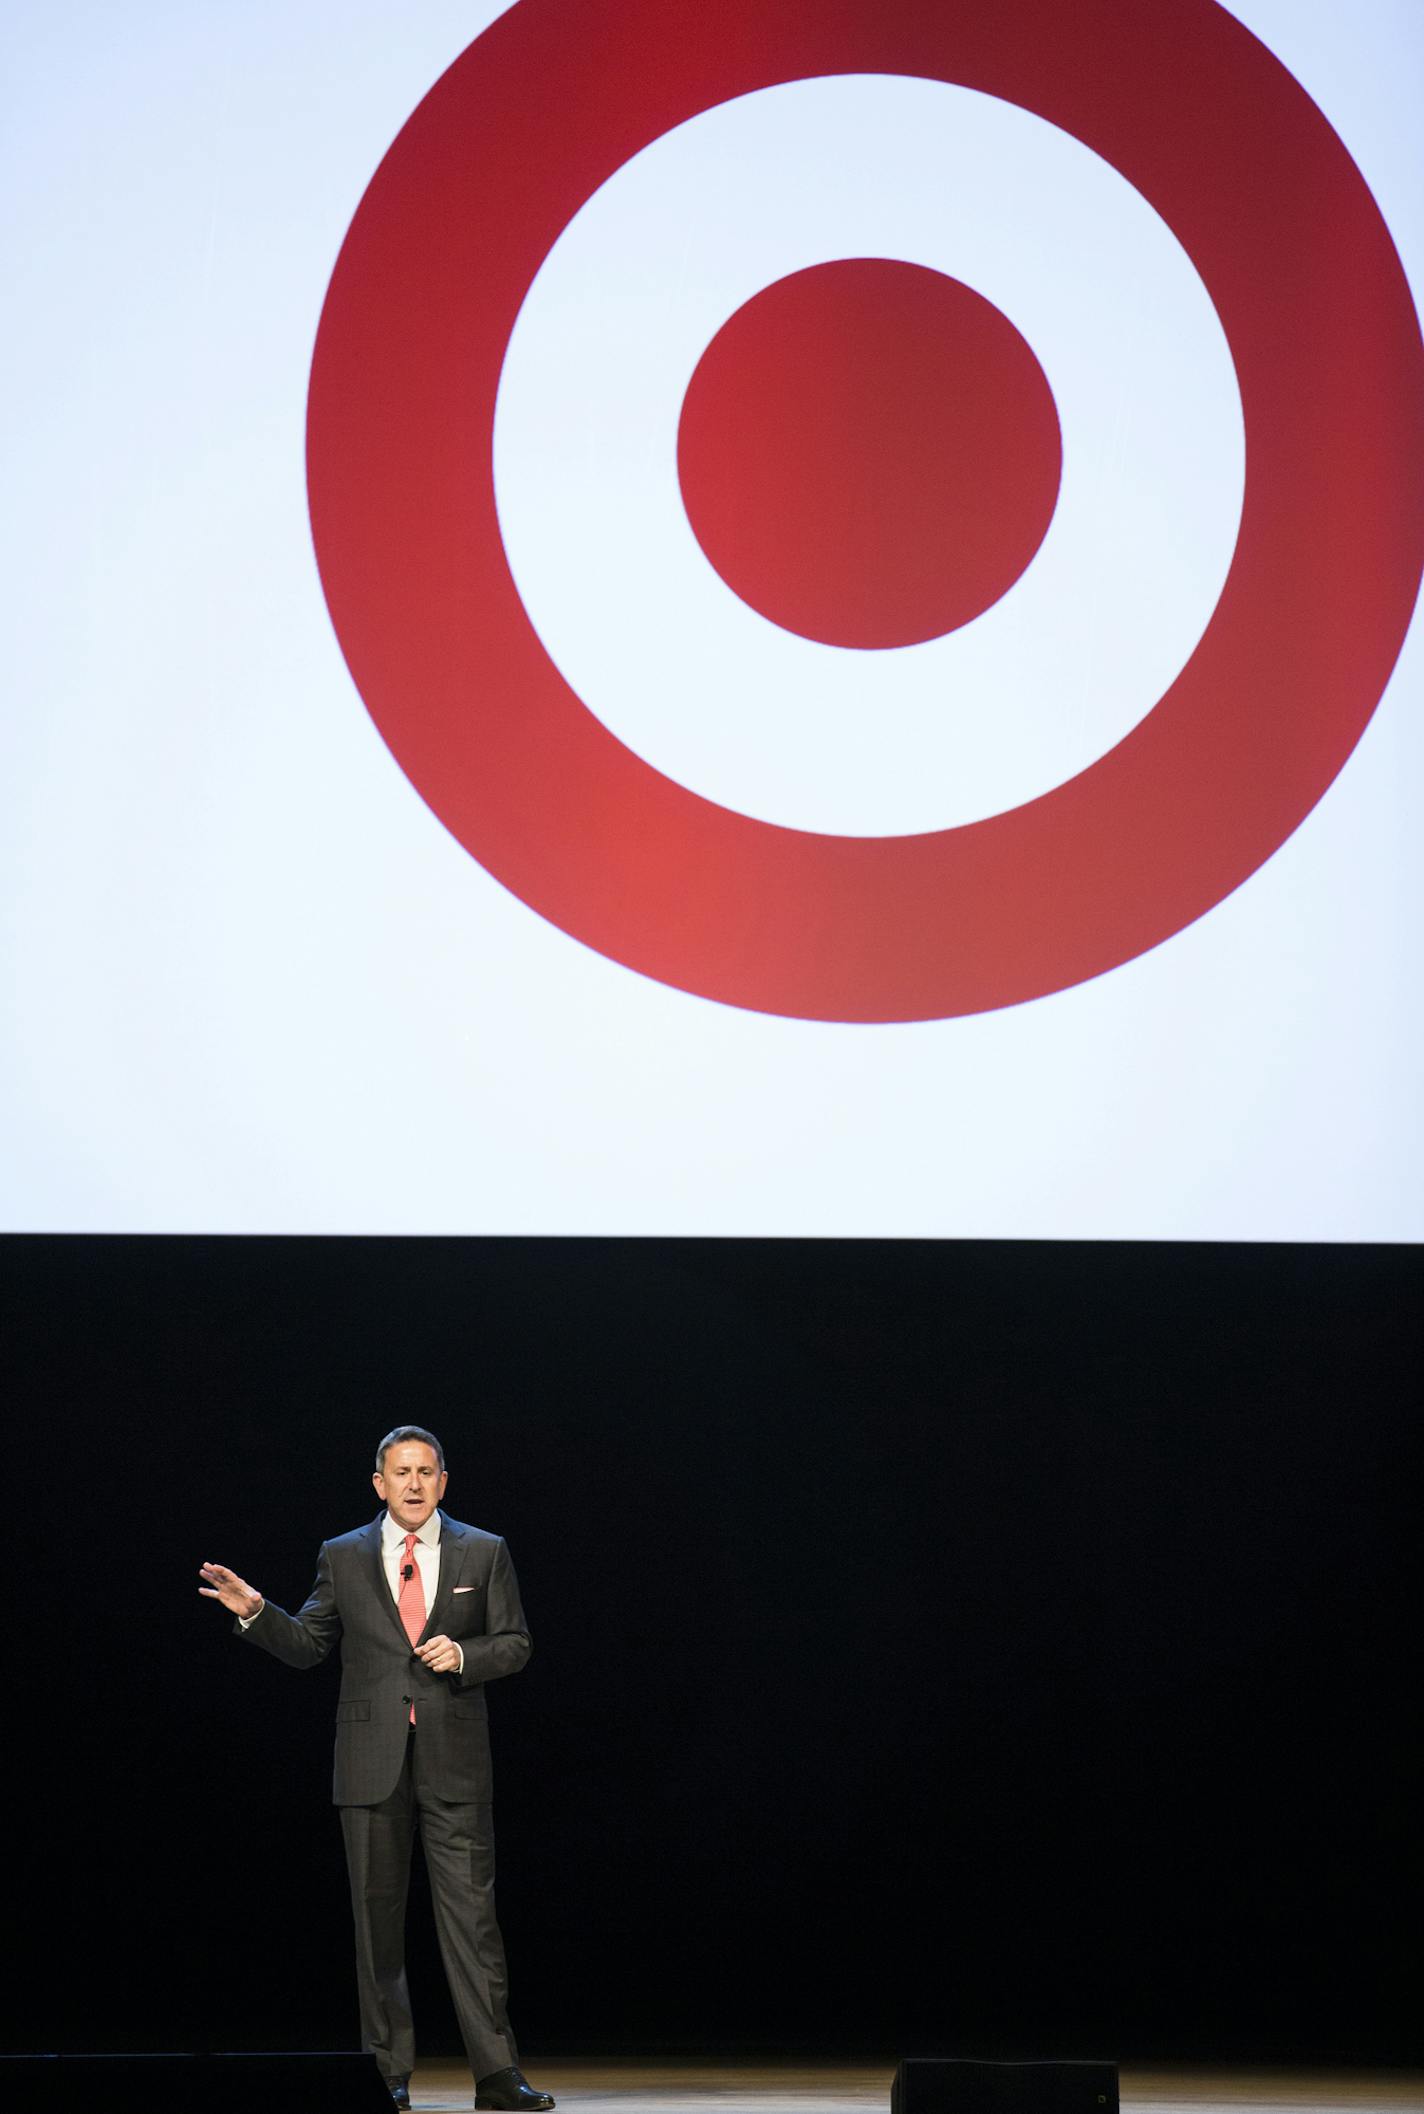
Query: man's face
(411, 1484)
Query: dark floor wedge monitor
(306, 2083)
(953, 2085)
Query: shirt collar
(392, 1534)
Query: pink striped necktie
(412, 1599)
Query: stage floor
(763, 2088)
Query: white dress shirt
(427, 1558)
(427, 1555)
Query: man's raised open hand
(234, 1592)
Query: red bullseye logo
(869, 453)
(869, 456)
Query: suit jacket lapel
(379, 1580)
(451, 1540)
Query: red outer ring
(1215, 133)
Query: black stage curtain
(977, 1648)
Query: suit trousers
(458, 1842)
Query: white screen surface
(252, 984)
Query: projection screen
(778, 619)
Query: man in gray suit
(426, 1611)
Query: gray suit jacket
(476, 1603)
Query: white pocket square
(467, 1589)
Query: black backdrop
(977, 1648)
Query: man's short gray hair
(409, 1434)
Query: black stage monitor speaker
(193, 2084)
(949, 2085)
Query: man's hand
(235, 1593)
(441, 1655)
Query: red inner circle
(869, 453)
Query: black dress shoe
(399, 2089)
(507, 2090)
